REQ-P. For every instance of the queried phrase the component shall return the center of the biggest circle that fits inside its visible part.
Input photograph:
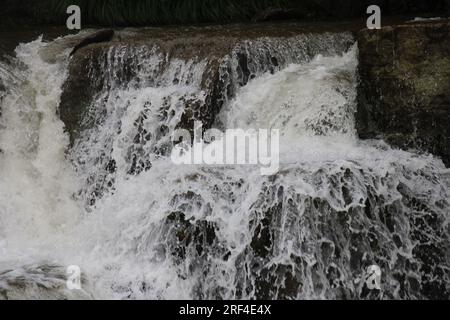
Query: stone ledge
(404, 90)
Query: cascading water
(140, 226)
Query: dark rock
(79, 90)
(404, 91)
(100, 36)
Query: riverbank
(119, 13)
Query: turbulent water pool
(141, 227)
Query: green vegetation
(160, 12)
(142, 12)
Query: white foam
(123, 243)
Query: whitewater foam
(161, 231)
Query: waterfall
(109, 200)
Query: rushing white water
(141, 227)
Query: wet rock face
(404, 91)
(77, 93)
(176, 76)
(97, 37)
(302, 246)
(101, 68)
(233, 55)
